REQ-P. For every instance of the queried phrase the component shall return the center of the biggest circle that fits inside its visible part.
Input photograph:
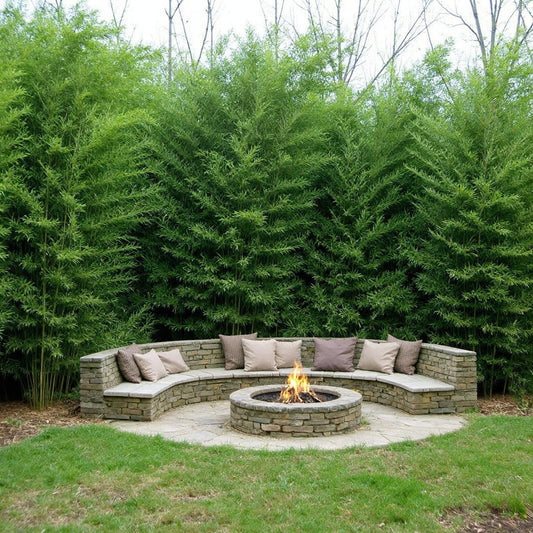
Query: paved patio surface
(207, 423)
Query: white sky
(146, 22)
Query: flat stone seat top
(416, 383)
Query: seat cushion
(334, 354)
(407, 355)
(232, 348)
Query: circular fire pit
(338, 412)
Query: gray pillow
(173, 361)
(334, 354)
(407, 356)
(127, 365)
(232, 348)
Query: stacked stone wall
(99, 372)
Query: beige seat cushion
(152, 368)
(173, 361)
(287, 353)
(378, 356)
(259, 355)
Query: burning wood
(298, 389)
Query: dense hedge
(256, 194)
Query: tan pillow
(259, 355)
(407, 356)
(334, 354)
(232, 348)
(150, 365)
(127, 365)
(378, 356)
(173, 361)
(287, 352)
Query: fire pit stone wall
(272, 419)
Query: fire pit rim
(245, 398)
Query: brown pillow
(334, 354)
(127, 365)
(259, 355)
(173, 361)
(232, 348)
(378, 356)
(407, 356)
(151, 367)
(287, 353)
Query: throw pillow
(334, 354)
(232, 348)
(259, 355)
(127, 365)
(407, 356)
(150, 365)
(173, 361)
(287, 352)
(378, 356)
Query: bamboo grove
(256, 193)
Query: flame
(297, 384)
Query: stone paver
(207, 423)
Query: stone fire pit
(341, 414)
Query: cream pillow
(287, 353)
(259, 355)
(378, 356)
(173, 361)
(150, 365)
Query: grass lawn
(94, 478)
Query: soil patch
(505, 405)
(18, 421)
(494, 522)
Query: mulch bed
(18, 422)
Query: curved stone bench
(444, 382)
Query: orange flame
(297, 384)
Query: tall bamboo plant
(72, 199)
(358, 283)
(240, 144)
(476, 258)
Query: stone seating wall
(445, 381)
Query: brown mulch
(493, 522)
(505, 405)
(18, 421)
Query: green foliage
(358, 284)
(475, 249)
(256, 193)
(71, 193)
(239, 147)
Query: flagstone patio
(207, 423)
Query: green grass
(94, 478)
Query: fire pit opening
(296, 409)
(306, 398)
(297, 390)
